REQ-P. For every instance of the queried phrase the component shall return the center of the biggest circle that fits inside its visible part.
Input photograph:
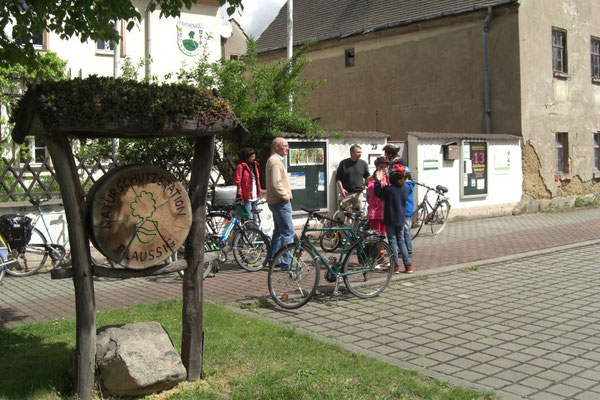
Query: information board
(474, 169)
(307, 163)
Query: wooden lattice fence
(22, 179)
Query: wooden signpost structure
(38, 118)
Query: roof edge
(396, 24)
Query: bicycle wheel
(180, 255)
(250, 248)
(438, 222)
(418, 219)
(331, 240)
(217, 222)
(297, 283)
(31, 257)
(369, 267)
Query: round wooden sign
(139, 215)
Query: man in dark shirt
(351, 175)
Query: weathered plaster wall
(550, 105)
(236, 43)
(422, 77)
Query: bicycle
(28, 250)
(435, 216)
(365, 265)
(250, 246)
(331, 240)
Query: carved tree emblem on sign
(143, 207)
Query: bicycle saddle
(353, 215)
(441, 188)
(37, 202)
(310, 210)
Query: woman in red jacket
(248, 180)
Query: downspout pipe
(486, 72)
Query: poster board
(474, 169)
(307, 172)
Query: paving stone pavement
(523, 325)
(527, 327)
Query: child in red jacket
(247, 179)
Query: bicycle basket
(224, 196)
(16, 229)
(241, 212)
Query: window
(39, 40)
(104, 46)
(349, 56)
(559, 51)
(234, 57)
(562, 153)
(597, 151)
(595, 50)
(107, 47)
(38, 150)
(36, 154)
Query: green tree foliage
(27, 19)
(259, 94)
(15, 78)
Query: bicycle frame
(351, 237)
(428, 207)
(48, 232)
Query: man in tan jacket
(279, 197)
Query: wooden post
(85, 304)
(192, 335)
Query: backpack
(16, 229)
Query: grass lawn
(244, 358)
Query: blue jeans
(395, 235)
(251, 205)
(283, 232)
(408, 234)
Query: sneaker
(397, 269)
(284, 267)
(408, 269)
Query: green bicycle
(365, 264)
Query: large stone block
(136, 359)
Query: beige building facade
(233, 41)
(428, 75)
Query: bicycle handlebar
(439, 189)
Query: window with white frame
(107, 47)
(38, 150)
(595, 55)
(562, 152)
(40, 41)
(597, 151)
(559, 51)
(104, 46)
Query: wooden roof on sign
(98, 107)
